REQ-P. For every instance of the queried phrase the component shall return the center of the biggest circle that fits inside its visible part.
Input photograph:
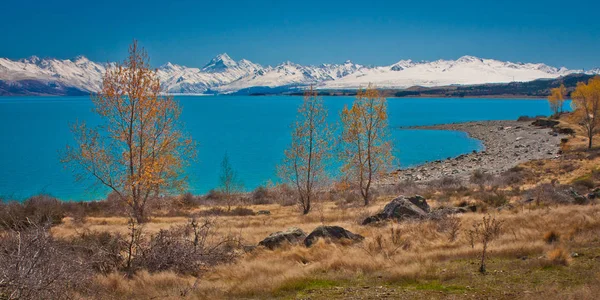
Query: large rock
(292, 235)
(402, 208)
(332, 233)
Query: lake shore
(507, 144)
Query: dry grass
(392, 253)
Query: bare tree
(140, 151)
(485, 232)
(230, 184)
(304, 163)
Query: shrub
(584, 181)
(241, 211)
(548, 193)
(188, 200)
(187, 249)
(38, 210)
(480, 178)
(447, 183)
(495, 199)
(551, 237)
(260, 195)
(559, 256)
(449, 225)
(35, 266)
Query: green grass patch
(299, 285)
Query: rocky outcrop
(331, 233)
(292, 235)
(402, 208)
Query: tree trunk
(590, 141)
(306, 207)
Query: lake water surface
(253, 131)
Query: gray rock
(292, 235)
(331, 233)
(263, 212)
(402, 208)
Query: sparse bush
(447, 183)
(450, 226)
(241, 211)
(548, 193)
(218, 211)
(494, 198)
(480, 178)
(188, 200)
(584, 181)
(551, 237)
(260, 195)
(36, 210)
(514, 176)
(559, 256)
(485, 232)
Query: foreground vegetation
(193, 247)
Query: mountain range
(223, 75)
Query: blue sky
(559, 33)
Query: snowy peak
(219, 63)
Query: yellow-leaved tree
(586, 106)
(557, 99)
(139, 151)
(305, 159)
(366, 149)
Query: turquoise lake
(253, 131)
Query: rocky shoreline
(507, 144)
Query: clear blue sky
(559, 33)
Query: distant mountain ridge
(223, 75)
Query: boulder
(402, 208)
(263, 212)
(577, 198)
(331, 233)
(292, 235)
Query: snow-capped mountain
(225, 75)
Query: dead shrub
(35, 266)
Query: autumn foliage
(366, 150)
(139, 152)
(586, 104)
(557, 99)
